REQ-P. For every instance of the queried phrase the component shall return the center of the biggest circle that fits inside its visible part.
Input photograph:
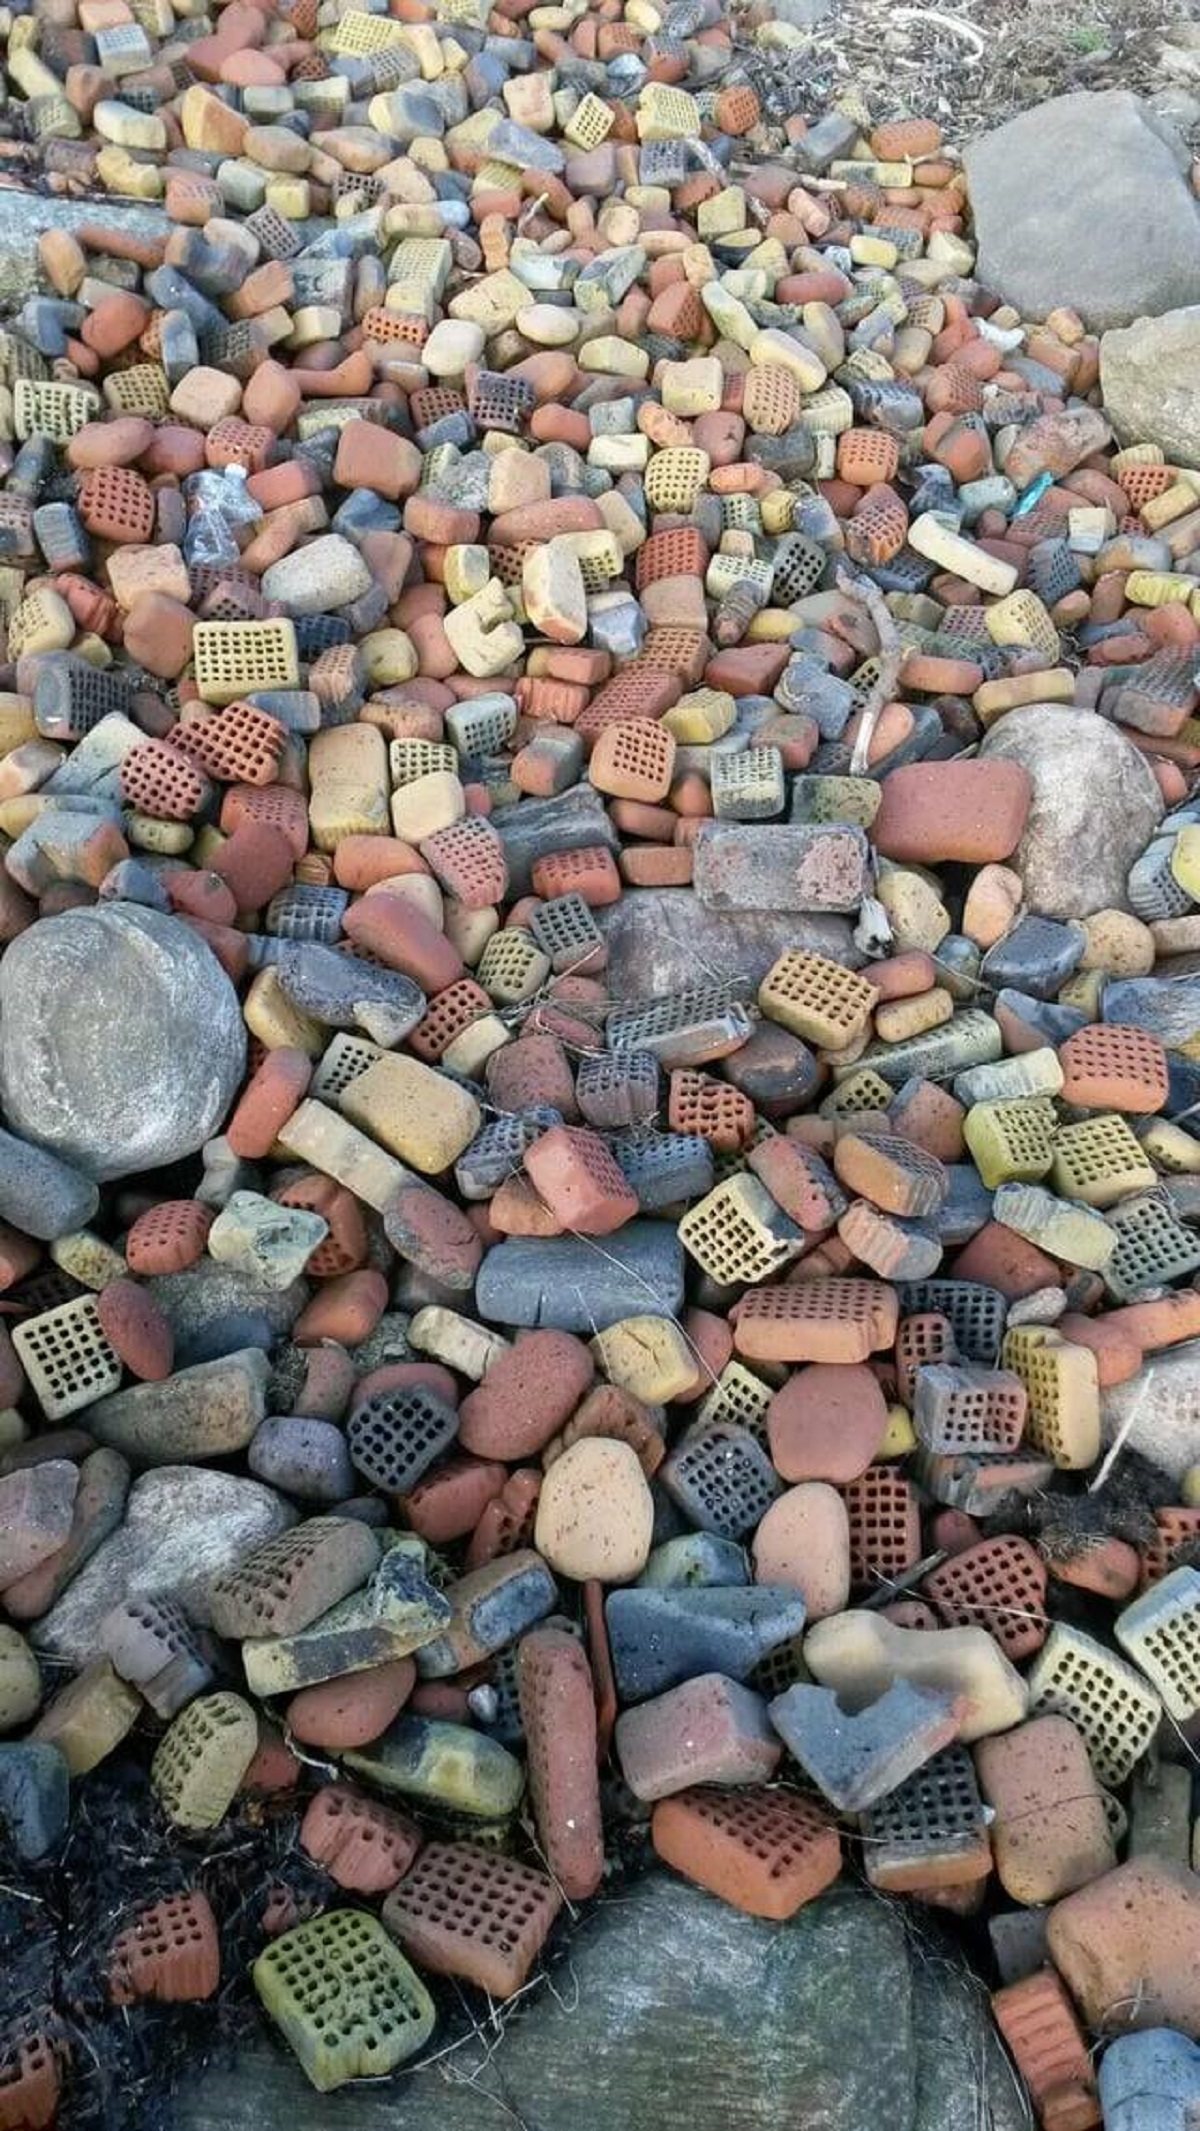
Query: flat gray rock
(183, 1526)
(122, 1043)
(209, 1411)
(1084, 201)
(801, 867)
(663, 940)
(838, 2021)
(1095, 805)
(1150, 377)
(213, 1310)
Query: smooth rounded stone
(35, 1797)
(121, 1039)
(306, 1458)
(20, 1681)
(804, 1540)
(209, 1411)
(214, 1311)
(1095, 805)
(693, 1560)
(346, 1713)
(270, 1243)
(1128, 1947)
(315, 579)
(1083, 201)
(36, 1505)
(1150, 376)
(133, 1323)
(1050, 1833)
(827, 1422)
(183, 1526)
(104, 1479)
(595, 1516)
(39, 1194)
(1150, 2081)
(526, 1396)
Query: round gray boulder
(121, 1039)
(1095, 805)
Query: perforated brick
(1099, 1161)
(1000, 1585)
(410, 759)
(885, 1526)
(815, 1320)
(467, 1911)
(771, 399)
(816, 999)
(676, 551)
(200, 1762)
(1107, 1067)
(284, 1584)
(1161, 1633)
(169, 1237)
(1063, 1419)
(116, 504)
(233, 659)
(1116, 1710)
(49, 409)
(866, 456)
(738, 1235)
(363, 1845)
(567, 935)
(738, 1399)
(749, 786)
(931, 1831)
(965, 1407)
(633, 761)
(1038, 2023)
(975, 1313)
(512, 967)
(141, 390)
(345, 1060)
(339, 1989)
(500, 402)
(160, 781)
(722, 1480)
(451, 1013)
(395, 1436)
(467, 858)
(675, 477)
(921, 1341)
(617, 1088)
(67, 1358)
(711, 1110)
(766, 1851)
(304, 912)
(1175, 1528)
(876, 534)
(1012, 1142)
(32, 2063)
(686, 1029)
(1154, 1247)
(170, 1952)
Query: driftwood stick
(868, 595)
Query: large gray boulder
(663, 940)
(122, 1042)
(183, 1526)
(1150, 377)
(676, 2009)
(1095, 804)
(1084, 201)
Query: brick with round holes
(470, 1912)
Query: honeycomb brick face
(169, 1952)
(767, 1852)
(471, 1912)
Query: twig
(865, 594)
